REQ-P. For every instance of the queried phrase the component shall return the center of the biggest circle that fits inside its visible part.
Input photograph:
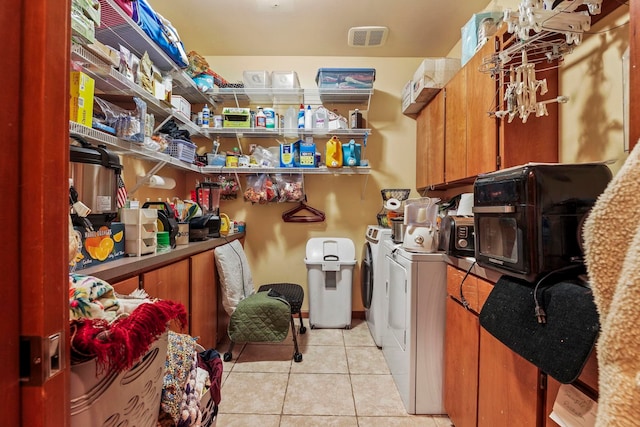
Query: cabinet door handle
(494, 209)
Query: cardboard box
(410, 107)
(100, 246)
(83, 29)
(181, 105)
(431, 76)
(90, 8)
(287, 155)
(233, 117)
(81, 98)
(304, 154)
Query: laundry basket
(330, 262)
(130, 398)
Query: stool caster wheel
(227, 356)
(303, 329)
(297, 357)
(312, 326)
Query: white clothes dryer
(372, 279)
(413, 343)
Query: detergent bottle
(334, 153)
(351, 154)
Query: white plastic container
(284, 80)
(330, 262)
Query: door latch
(40, 358)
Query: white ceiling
(417, 28)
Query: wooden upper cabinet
(430, 143)
(537, 139)
(482, 101)
(422, 147)
(455, 129)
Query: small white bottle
(206, 114)
(261, 118)
(308, 118)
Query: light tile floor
(343, 380)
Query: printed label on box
(96, 247)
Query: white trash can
(330, 263)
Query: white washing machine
(372, 279)
(413, 343)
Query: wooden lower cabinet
(126, 286)
(509, 392)
(204, 300)
(170, 283)
(461, 364)
(486, 384)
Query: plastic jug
(334, 153)
(351, 153)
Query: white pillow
(235, 276)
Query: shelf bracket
(146, 178)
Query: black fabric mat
(561, 346)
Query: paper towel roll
(393, 204)
(157, 181)
(465, 207)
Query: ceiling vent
(367, 36)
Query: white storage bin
(256, 79)
(284, 80)
(330, 262)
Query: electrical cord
(463, 300)
(539, 312)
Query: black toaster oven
(457, 236)
(527, 218)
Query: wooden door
(508, 387)
(461, 364)
(455, 129)
(34, 185)
(482, 99)
(170, 283)
(435, 132)
(204, 302)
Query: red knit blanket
(119, 344)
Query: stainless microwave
(527, 218)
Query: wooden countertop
(113, 271)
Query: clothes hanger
(313, 214)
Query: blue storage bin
(346, 78)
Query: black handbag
(555, 326)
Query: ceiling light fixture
(372, 36)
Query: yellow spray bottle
(334, 153)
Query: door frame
(34, 182)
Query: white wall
(276, 250)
